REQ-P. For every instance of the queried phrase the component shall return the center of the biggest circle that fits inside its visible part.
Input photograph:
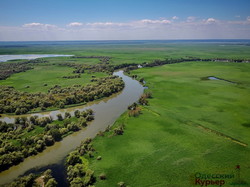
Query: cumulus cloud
(162, 28)
(39, 26)
(103, 24)
(32, 25)
(133, 24)
(210, 21)
(149, 21)
(75, 24)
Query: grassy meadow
(177, 136)
(45, 76)
(190, 125)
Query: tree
(73, 158)
(48, 140)
(51, 183)
(73, 127)
(90, 117)
(82, 122)
(77, 182)
(55, 133)
(77, 113)
(67, 115)
(59, 117)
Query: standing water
(106, 112)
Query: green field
(177, 134)
(191, 125)
(137, 52)
(34, 80)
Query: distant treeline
(7, 69)
(173, 61)
(72, 76)
(101, 58)
(13, 101)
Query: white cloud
(210, 21)
(175, 17)
(105, 24)
(75, 24)
(32, 25)
(162, 28)
(39, 26)
(149, 21)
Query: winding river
(106, 112)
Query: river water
(4, 58)
(106, 112)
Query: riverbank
(106, 112)
(165, 145)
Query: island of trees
(29, 136)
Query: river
(106, 112)
(4, 58)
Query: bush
(73, 158)
(67, 115)
(102, 176)
(77, 113)
(59, 117)
(121, 184)
(119, 130)
(55, 133)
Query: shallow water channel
(4, 58)
(106, 112)
(216, 78)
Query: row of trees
(13, 101)
(78, 172)
(28, 137)
(72, 76)
(103, 59)
(7, 69)
(46, 180)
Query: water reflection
(106, 112)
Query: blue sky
(123, 19)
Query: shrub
(102, 176)
(119, 130)
(121, 184)
(59, 117)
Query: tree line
(13, 101)
(7, 69)
(29, 136)
(78, 171)
(46, 180)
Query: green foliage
(43, 179)
(78, 173)
(162, 143)
(30, 136)
(12, 100)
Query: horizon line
(122, 40)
